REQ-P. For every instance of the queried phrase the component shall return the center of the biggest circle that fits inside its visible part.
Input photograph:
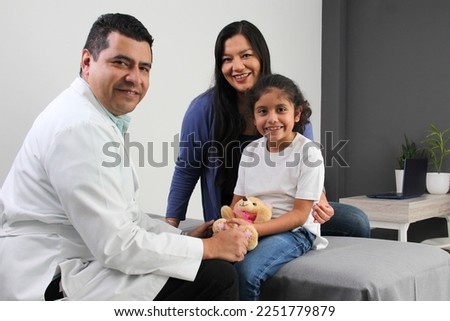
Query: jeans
(268, 257)
(347, 220)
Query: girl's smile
(275, 117)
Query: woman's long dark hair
(229, 124)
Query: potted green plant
(409, 149)
(437, 146)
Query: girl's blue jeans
(268, 257)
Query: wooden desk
(398, 214)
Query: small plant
(409, 150)
(437, 146)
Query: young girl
(284, 169)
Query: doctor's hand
(229, 245)
(202, 231)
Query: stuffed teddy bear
(251, 209)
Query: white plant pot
(438, 183)
(399, 180)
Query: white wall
(42, 42)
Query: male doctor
(71, 227)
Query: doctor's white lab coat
(68, 207)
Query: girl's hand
(322, 212)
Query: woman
(217, 126)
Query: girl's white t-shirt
(278, 179)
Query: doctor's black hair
(124, 24)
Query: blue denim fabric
(348, 220)
(268, 257)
